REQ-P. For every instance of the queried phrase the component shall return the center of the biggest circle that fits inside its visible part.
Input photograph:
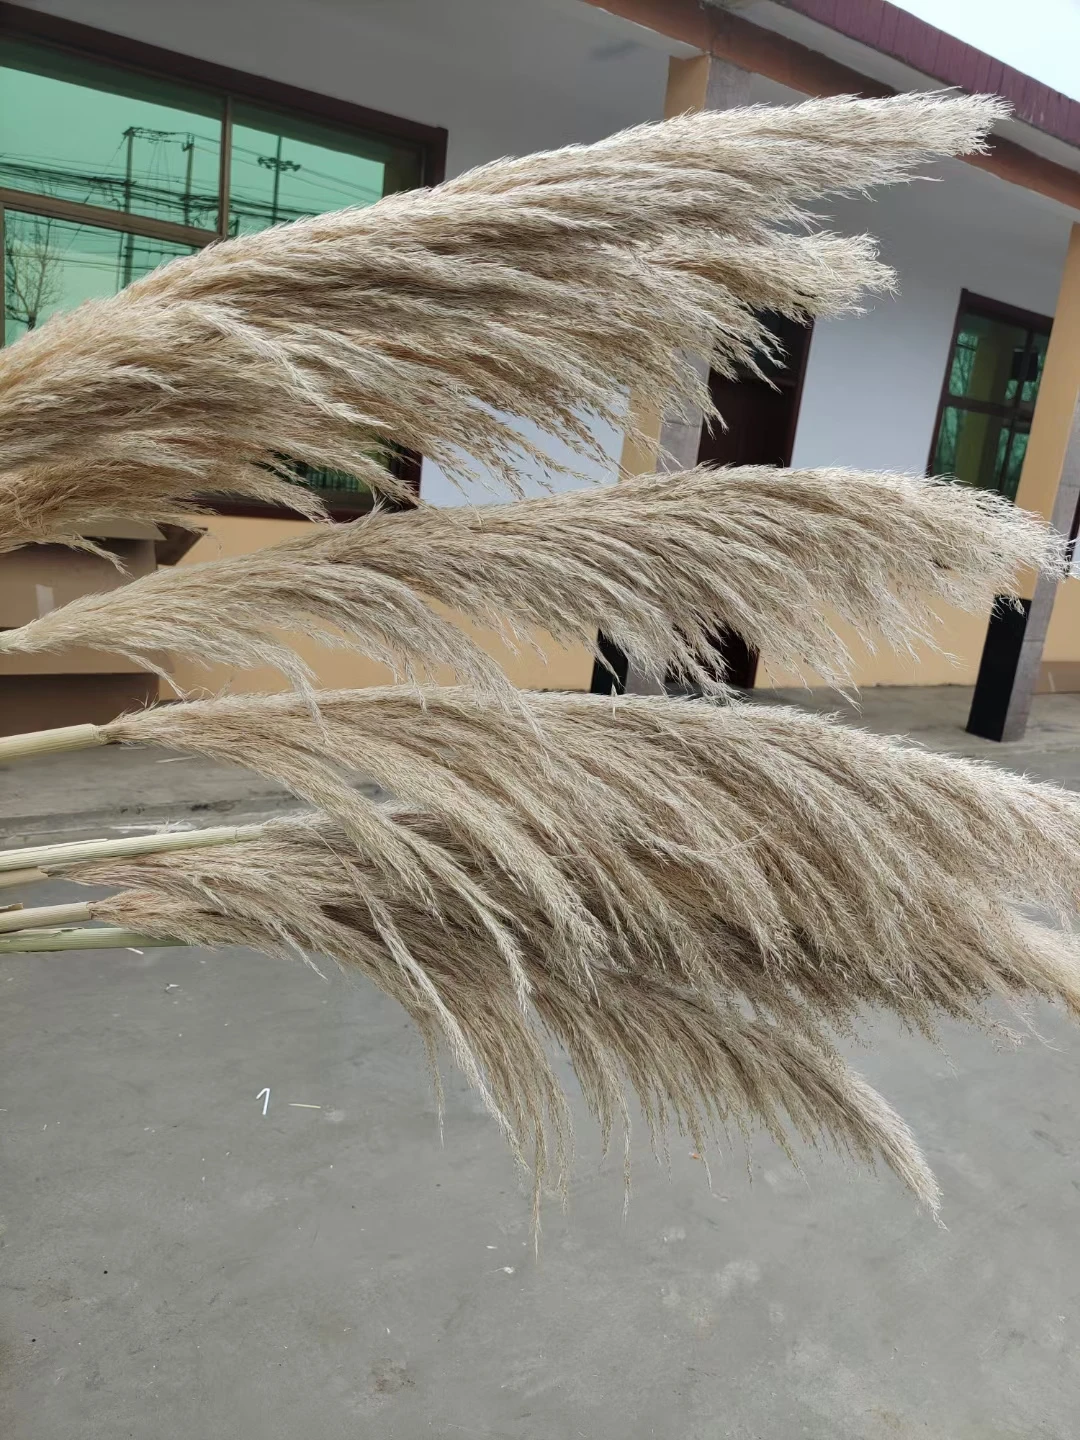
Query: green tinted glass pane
(331, 482)
(284, 168)
(944, 461)
(986, 358)
(962, 361)
(53, 265)
(1013, 464)
(80, 130)
(1029, 390)
(969, 446)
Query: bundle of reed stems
(693, 898)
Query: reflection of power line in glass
(111, 191)
(277, 165)
(155, 137)
(156, 194)
(351, 191)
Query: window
(54, 265)
(94, 134)
(989, 395)
(115, 157)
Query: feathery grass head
(542, 289)
(690, 1052)
(660, 564)
(872, 871)
(691, 898)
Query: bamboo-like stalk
(35, 743)
(101, 937)
(28, 876)
(45, 858)
(44, 916)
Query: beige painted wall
(560, 667)
(960, 640)
(1063, 637)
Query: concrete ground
(177, 1264)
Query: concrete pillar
(1050, 486)
(701, 83)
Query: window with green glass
(94, 134)
(107, 170)
(991, 386)
(54, 265)
(284, 168)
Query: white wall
(873, 380)
(438, 489)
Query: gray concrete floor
(175, 1264)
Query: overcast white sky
(1039, 37)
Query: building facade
(130, 132)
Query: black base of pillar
(997, 671)
(609, 679)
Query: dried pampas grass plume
(862, 870)
(542, 289)
(660, 564)
(692, 899)
(691, 1053)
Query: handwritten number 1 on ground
(264, 1092)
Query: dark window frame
(984, 305)
(227, 85)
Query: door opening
(760, 414)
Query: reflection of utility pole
(157, 137)
(277, 165)
(188, 147)
(127, 245)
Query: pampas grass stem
(35, 743)
(43, 916)
(28, 876)
(50, 857)
(98, 937)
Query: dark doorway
(760, 414)
(761, 419)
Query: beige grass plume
(728, 1037)
(691, 898)
(542, 289)
(891, 868)
(691, 1052)
(658, 563)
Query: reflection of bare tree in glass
(32, 280)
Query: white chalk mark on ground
(266, 1103)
